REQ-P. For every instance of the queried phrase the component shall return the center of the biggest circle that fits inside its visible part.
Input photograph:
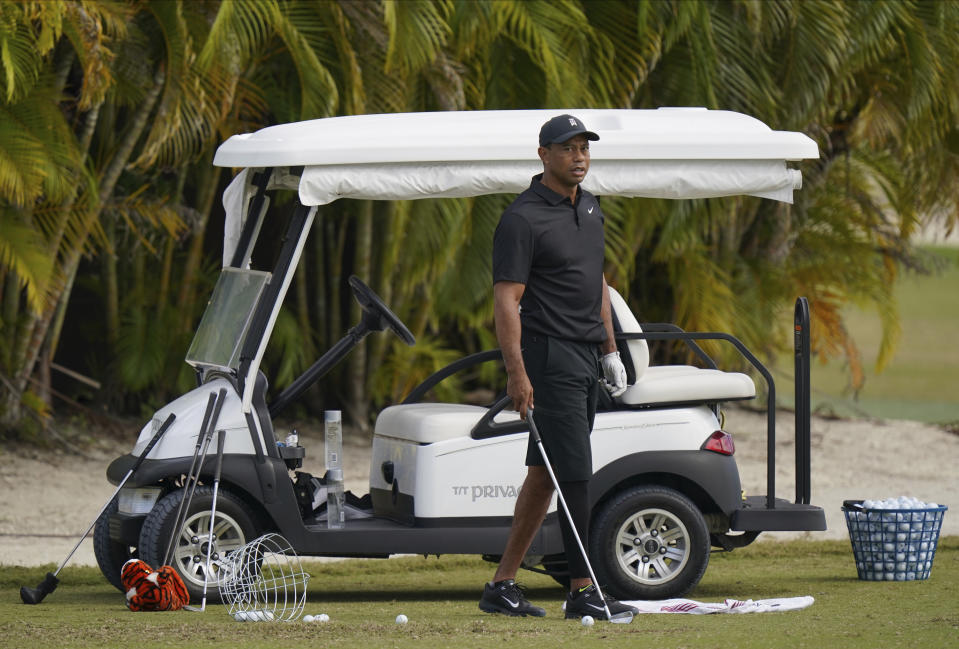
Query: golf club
(196, 454)
(213, 405)
(210, 416)
(221, 438)
(49, 583)
(620, 618)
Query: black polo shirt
(556, 249)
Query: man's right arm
(506, 297)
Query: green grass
(920, 382)
(362, 599)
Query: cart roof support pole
(801, 349)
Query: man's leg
(528, 514)
(503, 594)
(576, 494)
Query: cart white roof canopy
(664, 153)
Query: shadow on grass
(784, 587)
(439, 594)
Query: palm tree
(43, 179)
(111, 112)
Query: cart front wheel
(234, 527)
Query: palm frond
(619, 65)
(418, 31)
(24, 251)
(464, 289)
(301, 33)
(142, 213)
(286, 356)
(27, 32)
(92, 29)
(554, 36)
(37, 149)
(189, 105)
(406, 367)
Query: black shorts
(565, 378)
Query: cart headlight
(138, 500)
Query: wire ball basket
(263, 581)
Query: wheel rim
(193, 547)
(652, 546)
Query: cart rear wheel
(110, 554)
(649, 543)
(234, 527)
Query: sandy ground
(51, 497)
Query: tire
(110, 555)
(649, 542)
(235, 526)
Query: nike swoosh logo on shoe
(511, 603)
(598, 608)
(589, 211)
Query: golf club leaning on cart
(620, 618)
(49, 583)
(210, 417)
(221, 438)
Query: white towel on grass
(728, 606)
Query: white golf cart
(444, 476)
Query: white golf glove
(615, 373)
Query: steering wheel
(376, 315)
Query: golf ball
(240, 616)
(401, 619)
(308, 618)
(588, 620)
(322, 617)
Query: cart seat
(669, 384)
(428, 423)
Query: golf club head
(44, 588)
(621, 618)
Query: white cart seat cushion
(669, 384)
(672, 383)
(428, 423)
(637, 351)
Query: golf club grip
(210, 405)
(220, 443)
(218, 406)
(532, 426)
(153, 442)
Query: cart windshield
(226, 321)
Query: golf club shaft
(187, 499)
(562, 501)
(210, 416)
(196, 454)
(136, 465)
(221, 438)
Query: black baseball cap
(561, 128)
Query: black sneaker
(588, 602)
(509, 598)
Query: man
(554, 326)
